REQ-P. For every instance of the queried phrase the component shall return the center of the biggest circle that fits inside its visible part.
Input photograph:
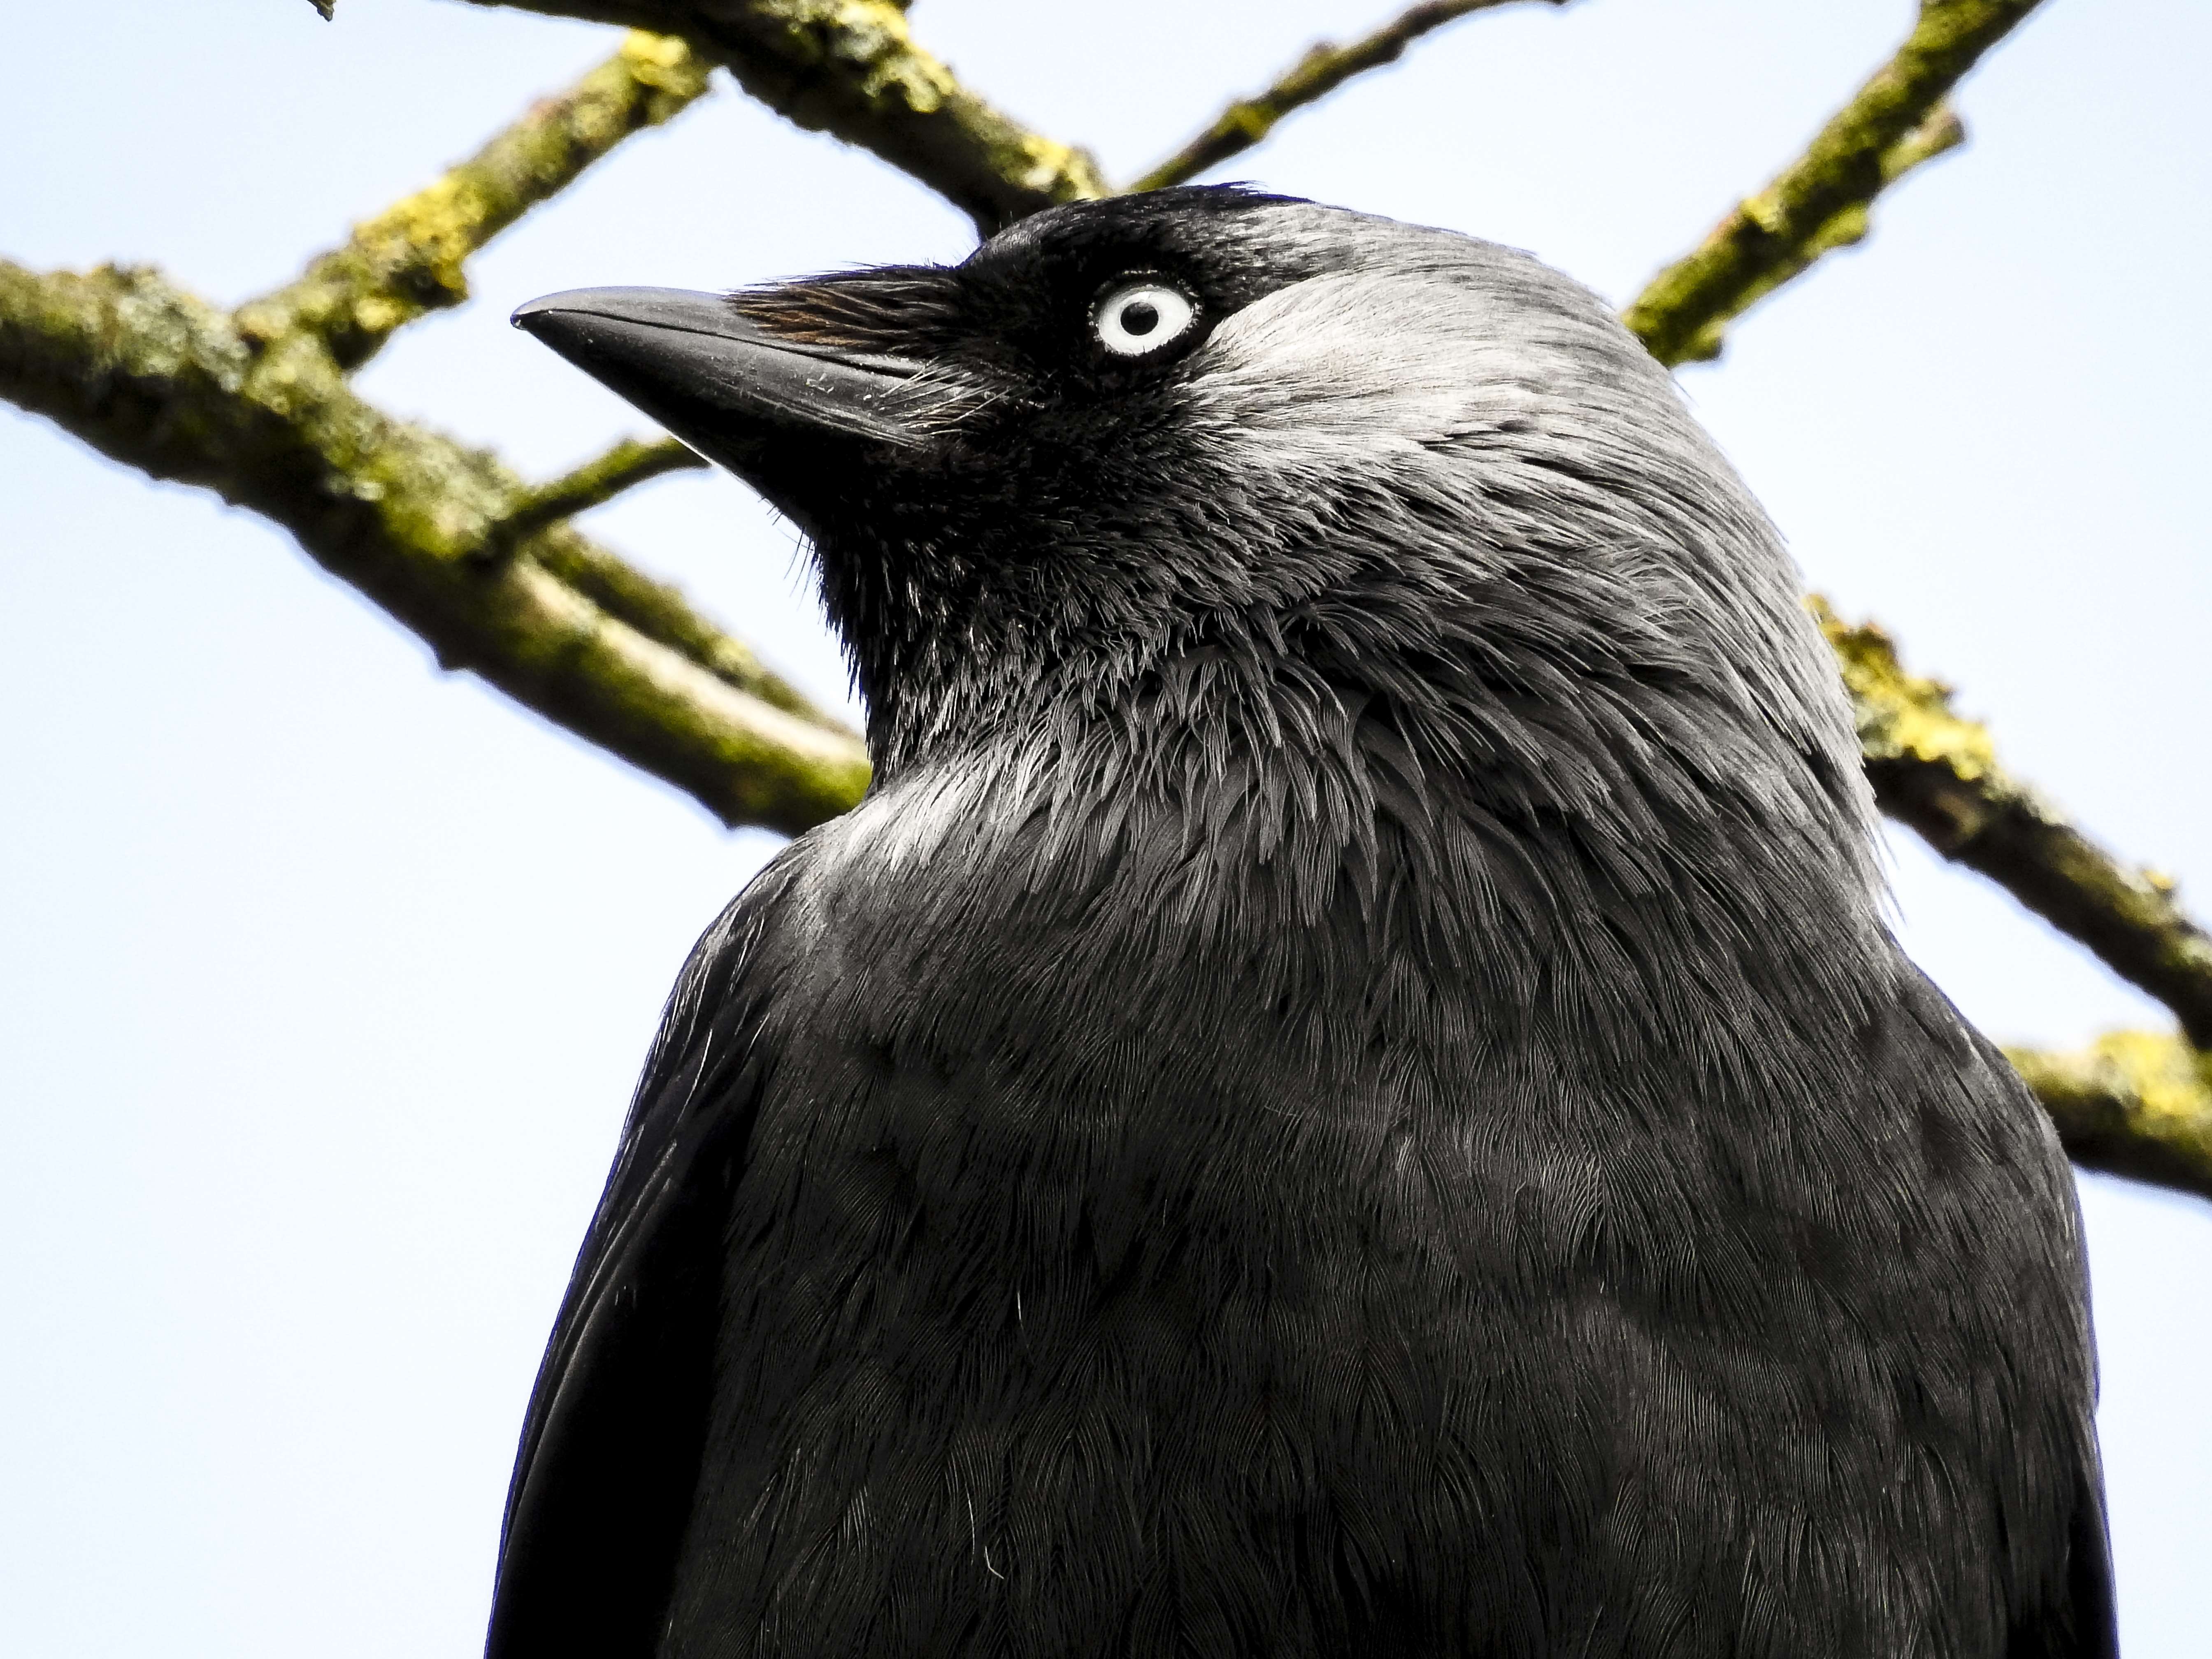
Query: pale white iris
(1140, 317)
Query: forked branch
(156, 378)
(489, 572)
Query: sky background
(323, 974)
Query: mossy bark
(1819, 202)
(853, 69)
(156, 378)
(489, 572)
(410, 259)
(2134, 1103)
(1939, 773)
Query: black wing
(2080, 1621)
(603, 1482)
(2089, 1628)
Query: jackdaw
(1348, 1090)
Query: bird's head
(1206, 444)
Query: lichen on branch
(163, 382)
(2134, 1103)
(409, 259)
(492, 575)
(1895, 122)
(853, 69)
(1938, 773)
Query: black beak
(753, 400)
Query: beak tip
(530, 316)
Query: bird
(1349, 1089)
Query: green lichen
(410, 259)
(852, 67)
(1938, 772)
(486, 569)
(258, 407)
(2137, 1104)
(166, 383)
(1902, 715)
(1896, 122)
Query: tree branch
(157, 379)
(661, 613)
(598, 480)
(408, 260)
(2134, 1103)
(489, 572)
(1820, 201)
(852, 67)
(1324, 69)
(1939, 774)
(656, 609)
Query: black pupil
(1140, 317)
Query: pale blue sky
(323, 975)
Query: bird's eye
(1137, 318)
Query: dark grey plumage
(1347, 1091)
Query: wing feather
(604, 1478)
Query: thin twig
(408, 260)
(630, 463)
(1324, 69)
(1820, 201)
(654, 609)
(660, 611)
